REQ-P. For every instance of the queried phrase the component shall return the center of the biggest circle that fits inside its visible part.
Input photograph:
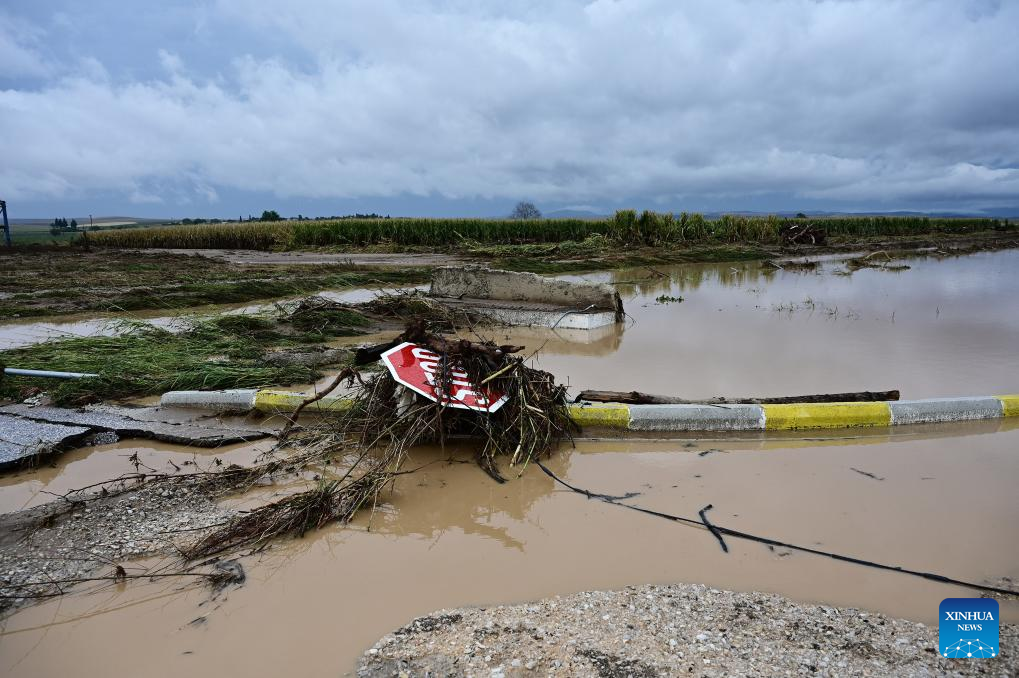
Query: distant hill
(998, 212)
(573, 214)
(98, 221)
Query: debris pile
(792, 233)
(474, 390)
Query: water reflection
(452, 492)
(945, 327)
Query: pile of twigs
(414, 306)
(384, 422)
(532, 422)
(296, 514)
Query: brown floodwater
(943, 499)
(75, 469)
(942, 328)
(449, 536)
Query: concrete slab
(148, 425)
(23, 439)
(937, 410)
(696, 418)
(531, 314)
(479, 282)
(241, 399)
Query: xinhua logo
(968, 628)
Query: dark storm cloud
(871, 103)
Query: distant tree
(801, 215)
(525, 210)
(271, 215)
(74, 224)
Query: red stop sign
(415, 367)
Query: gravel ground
(676, 630)
(61, 541)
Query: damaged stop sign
(418, 369)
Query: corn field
(626, 227)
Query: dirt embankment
(675, 630)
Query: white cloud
(868, 101)
(19, 57)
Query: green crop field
(627, 227)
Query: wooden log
(638, 398)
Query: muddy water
(452, 537)
(78, 468)
(942, 328)
(943, 499)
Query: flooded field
(945, 327)
(18, 334)
(925, 498)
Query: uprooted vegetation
(227, 351)
(283, 346)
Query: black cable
(714, 530)
(718, 530)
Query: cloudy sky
(459, 107)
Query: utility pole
(7, 226)
(90, 222)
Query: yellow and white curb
(669, 417)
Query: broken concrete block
(22, 440)
(526, 298)
(478, 282)
(32, 431)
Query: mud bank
(674, 630)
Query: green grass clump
(223, 352)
